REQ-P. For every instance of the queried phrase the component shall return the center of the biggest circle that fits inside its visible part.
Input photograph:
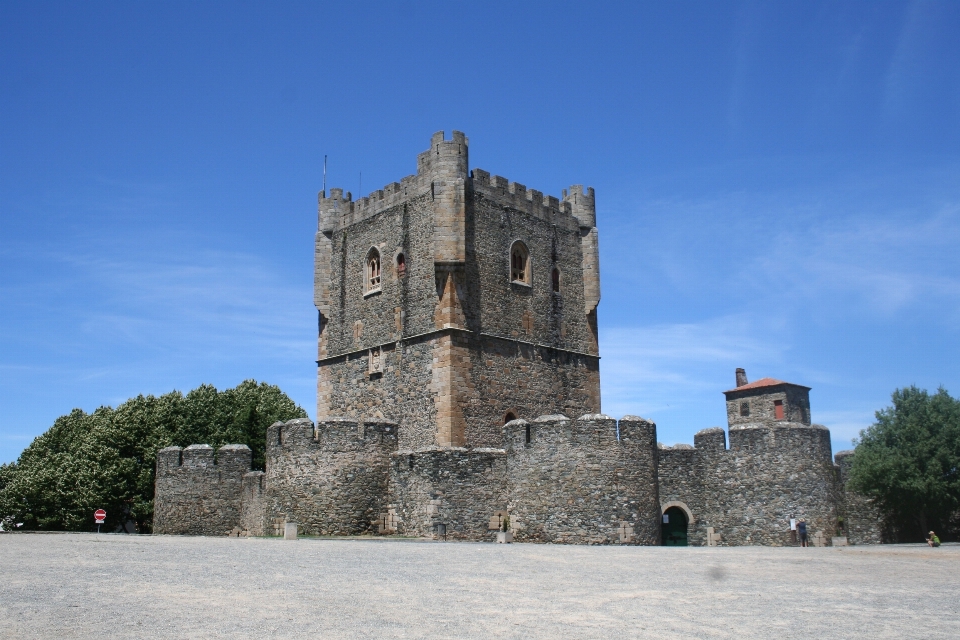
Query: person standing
(802, 532)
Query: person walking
(802, 532)
(933, 540)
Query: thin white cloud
(204, 297)
(901, 75)
(845, 425)
(883, 265)
(646, 369)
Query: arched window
(401, 265)
(372, 279)
(519, 263)
(510, 415)
(555, 276)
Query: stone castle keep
(458, 383)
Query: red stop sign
(99, 515)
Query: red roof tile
(763, 382)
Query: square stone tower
(767, 401)
(453, 301)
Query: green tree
(909, 463)
(107, 459)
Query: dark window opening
(401, 265)
(373, 271)
(556, 280)
(519, 264)
(744, 408)
(527, 435)
(778, 409)
(510, 416)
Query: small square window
(744, 409)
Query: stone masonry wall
(459, 488)
(861, 518)
(194, 494)
(401, 393)
(680, 474)
(576, 482)
(760, 403)
(771, 473)
(502, 376)
(252, 506)
(455, 229)
(332, 481)
(523, 379)
(553, 318)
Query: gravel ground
(85, 585)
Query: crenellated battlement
(332, 434)
(582, 205)
(198, 493)
(809, 440)
(607, 470)
(201, 456)
(337, 472)
(516, 196)
(770, 437)
(444, 164)
(550, 431)
(713, 438)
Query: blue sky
(778, 187)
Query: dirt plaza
(85, 585)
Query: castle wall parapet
(774, 471)
(576, 481)
(444, 166)
(332, 478)
(712, 439)
(452, 492)
(804, 441)
(197, 493)
(862, 520)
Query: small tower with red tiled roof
(767, 401)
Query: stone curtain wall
(584, 481)
(861, 518)
(252, 507)
(332, 481)
(576, 482)
(749, 493)
(459, 488)
(196, 495)
(680, 475)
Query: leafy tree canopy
(107, 459)
(909, 463)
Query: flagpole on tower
(324, 174)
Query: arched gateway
(676, 518)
